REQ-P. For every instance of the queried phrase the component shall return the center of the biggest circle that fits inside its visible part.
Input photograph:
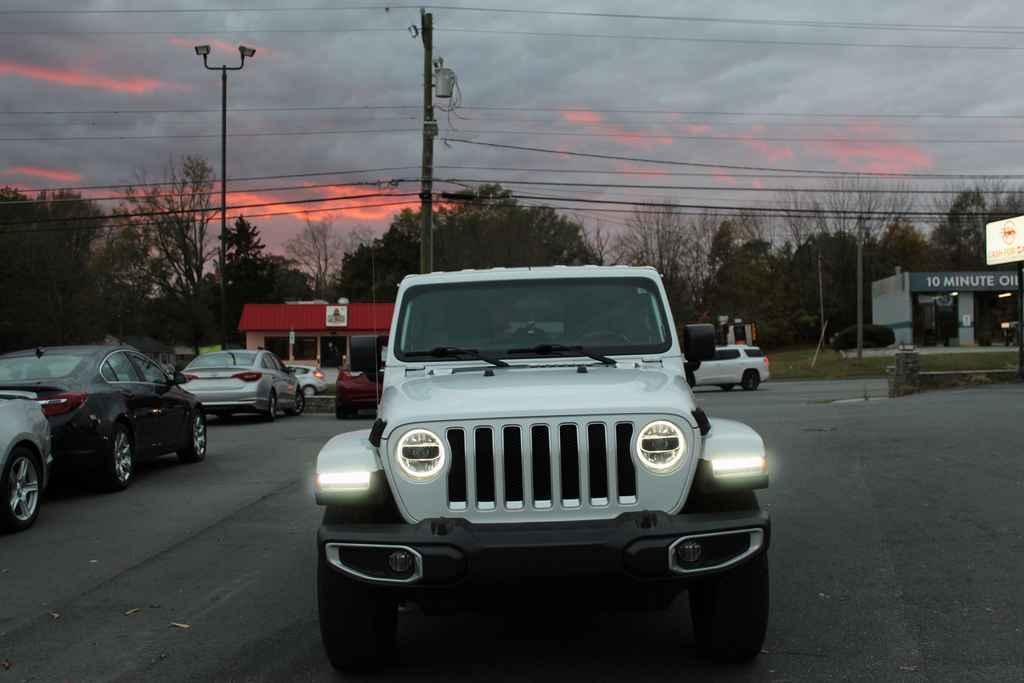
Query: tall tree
(178, 213)
(318, 252)
(248, 270)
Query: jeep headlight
(420, 454)
(660, 446)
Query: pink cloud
(584, 116)
(724, 178)
(874, 157)
(697, 129)
(756, 184)
(56, 174)
(135, 85)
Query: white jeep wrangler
(536, 436)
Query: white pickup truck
(537, 441)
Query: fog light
(688, 552)
(401, 562)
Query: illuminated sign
(1004, 241)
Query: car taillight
(61, 403)
(318, 374)
(347, 374)
(766, 362)
(191, 377)
(247, 376)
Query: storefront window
(305, 348)
(935, 320)
(279, 345)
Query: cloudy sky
(100, 98)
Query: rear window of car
(48, 366)
(299, 370)
(755, 353)
(224, 359)
(726, 354)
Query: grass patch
(796, 364)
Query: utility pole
(429, 131)
(860, 295)
(821, 296)
(1020, 321)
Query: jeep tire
(357, 620)
(730, 612)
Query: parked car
(355, 390)
(746, 366)
(24, 459)
(107, 407)
(228, 382)
(311, 380)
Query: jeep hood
(535, 392)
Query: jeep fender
(740, 454)
(352, 454)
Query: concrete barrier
(905, 377)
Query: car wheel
(751, 380)
(271, 413)
(357, 621)
(22, 482)
(196, 449)
(730, 612)
(300, 403)
(309, 390)
(727, 387)
(119, 466)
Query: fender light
(356, 480)
(61, 403)
(739, 466)
(248, 376)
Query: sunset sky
(106, 98)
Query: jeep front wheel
(730, 612)
(357, 620)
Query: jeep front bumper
(644, 546)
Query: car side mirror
(177, 378)
(699, 342)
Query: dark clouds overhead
(105, 63)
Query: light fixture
(358, 480)
(954, 293)
(202, 50)
(1005, 294)
(660, 447)
(421, 454)
(739, 466)
(246, 51)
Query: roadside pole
(429, 131)
(860, 297)
(1020, 320)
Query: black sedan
(108, 407)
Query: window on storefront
(305, 348)
(279, 345)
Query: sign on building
(337, 316)
(1004, 241)
(971, 281)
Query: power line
(796, 23)
(824, 173)
(232, 179)
(732, 41)
(147, 214)
(197, 136)
(245, 32)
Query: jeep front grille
(567, 465)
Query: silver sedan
(24, 459)
(227, 382)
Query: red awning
(363, 318)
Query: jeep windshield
(607, 316)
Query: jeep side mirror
(699, 342)
(363, 356)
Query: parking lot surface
(897, 554)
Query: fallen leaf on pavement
(55, 615)
(175, 624)
(132, 611)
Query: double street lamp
(204, 52)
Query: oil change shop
(965, 308)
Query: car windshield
(223, 359)
(47, 366)
(532, 318)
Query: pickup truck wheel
(751, 380)
(357, 621)
(730, 612)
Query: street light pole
(204, 52)
(429, 131)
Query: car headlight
(421, 454)
(660, 446)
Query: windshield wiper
(454, 351)
(563, 350)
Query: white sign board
(1004, 241)
(337, 316)
(291, 337)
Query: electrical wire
(198, 136)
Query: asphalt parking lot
(898, 553)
